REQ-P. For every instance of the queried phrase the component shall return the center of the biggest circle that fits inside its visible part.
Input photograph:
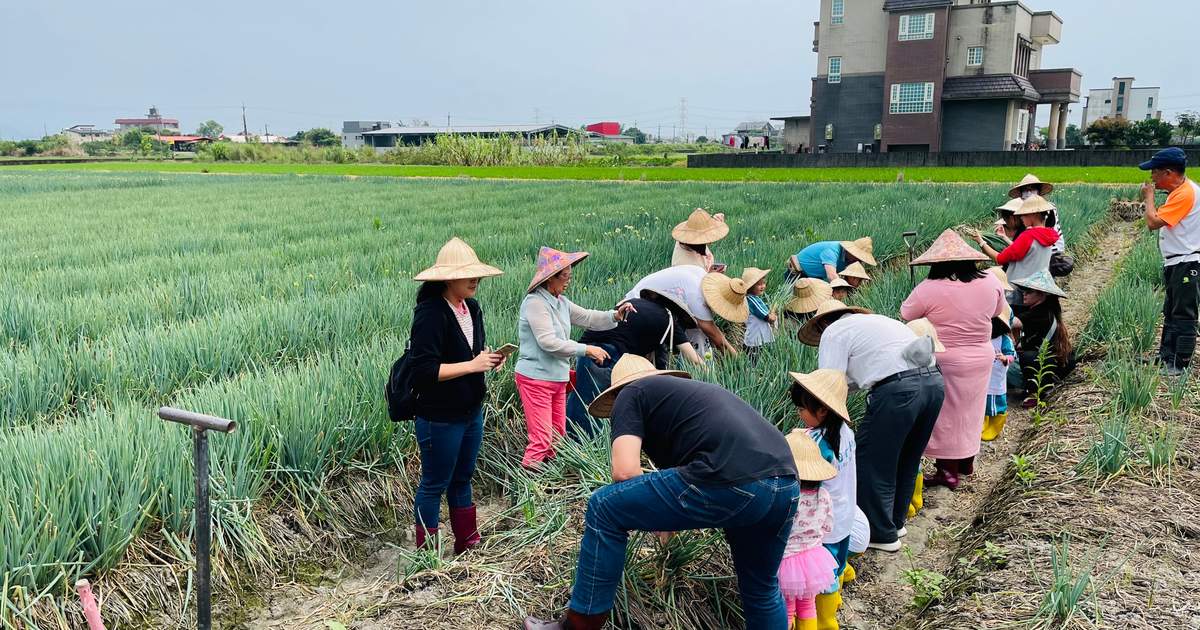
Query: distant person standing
(1178, 223)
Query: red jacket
(1044, 236)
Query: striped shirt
(463, 316)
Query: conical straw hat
(727, 296)
(855, 270)
(1001, 276)
(807, 295)
(810, 466)
(629, 368)
(1040, 281)
(948, 247)
(1012, 205)
(1036, 204)
(862, 249)
(700, 229)
(828, 386)
(810, 334)
(674, 301)
(1029, 180)
(924, 328)
(457, 261)
(551, 261)
(840, 283)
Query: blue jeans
(448, 453)
(756, 516)
(590, 380)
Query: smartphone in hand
(507, 349)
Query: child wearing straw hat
(731, 299)
(996, 413)
(760, 325)
(543, 363)
(1032, 249)
(820, 400)
(855, 274)
(448, 358)
(807, 295)
(807, 566)
(694, 238)
(1031, 186)
(842, 290)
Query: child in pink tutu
(808, 568)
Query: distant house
(756, 134)
(78, 134)
(596, 137)
(384, 139)
(152, 119)
(1121, 100)
(266, 138)
(352, 130)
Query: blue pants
(756, 517)
(448, 453)
(590, 380)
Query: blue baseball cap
(1167, 158)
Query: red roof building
(605, 128)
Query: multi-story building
(79, 134)
(1122, 100)
(935, 75)
(152, 119)
(352, 131)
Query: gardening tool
(201, 425)
(910, 241)
(91, 611)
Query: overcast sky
(298, 64)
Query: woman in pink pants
(544, 363)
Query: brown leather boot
(572, 621)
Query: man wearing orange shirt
(1178, 223)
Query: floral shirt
(814, 520)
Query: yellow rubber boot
(806, 624)
(827, 607)
(848, 574)
(918, 501)
(993, 425)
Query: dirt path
(880, 597)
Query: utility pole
(658, 136)
(447, 122)
(683, 117)
(245, 128)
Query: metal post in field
(201, 425)
(910, 241)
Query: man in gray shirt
(905, 393)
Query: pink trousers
(545, 405)
(798, 608)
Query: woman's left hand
(623, 311)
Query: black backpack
(401, 399)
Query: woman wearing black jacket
(1042, 323)
(448, 362)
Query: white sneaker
(902, 532)
(891, 547)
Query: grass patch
(1059, 175)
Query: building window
(878, 131)
(1022, 126)
(917, 26)
(829, 131)
(975, 56)
(838, 14)
(1150, 102)
(835, 69)
(1120, 103)
(912, 98)
(1120, 88)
